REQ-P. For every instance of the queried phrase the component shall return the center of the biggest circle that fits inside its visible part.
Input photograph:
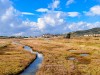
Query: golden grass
(56, 51)
(13, 59)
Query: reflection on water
(84, 54)
(71, 58)
(34, 66)
(27, 48)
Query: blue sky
(36, 17)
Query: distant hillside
(86, 32)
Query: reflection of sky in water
(84, 54)
(27, 48)
(32, 69)
(71, 58)
(34, 66)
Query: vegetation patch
(13, 59)
(56, 52)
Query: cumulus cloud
(83, 25)
(54, 5)
(7, 16)
(49, 22)
(19, 34)
(10, 23)
(42, 10)
(69, 2)
(94, 11)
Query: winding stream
(35, 65)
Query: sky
(37, 17)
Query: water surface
(84, 54)
(71, 58)
(35, 65)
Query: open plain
(75, 56)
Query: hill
(92, 31)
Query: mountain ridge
(92, 31)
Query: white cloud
(42, 10)
(73, 14)
(9, 14)
(53, 20)
(8, 17)
(19, 34)
(54, 5)
(83, 25)
(10, 23)
(69, 2)
(27, 13)
(50, 22)
(94, 11)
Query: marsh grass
(13, 59)
(56, 51)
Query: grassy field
(57, 52)
(13, 59)
(61, 56)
